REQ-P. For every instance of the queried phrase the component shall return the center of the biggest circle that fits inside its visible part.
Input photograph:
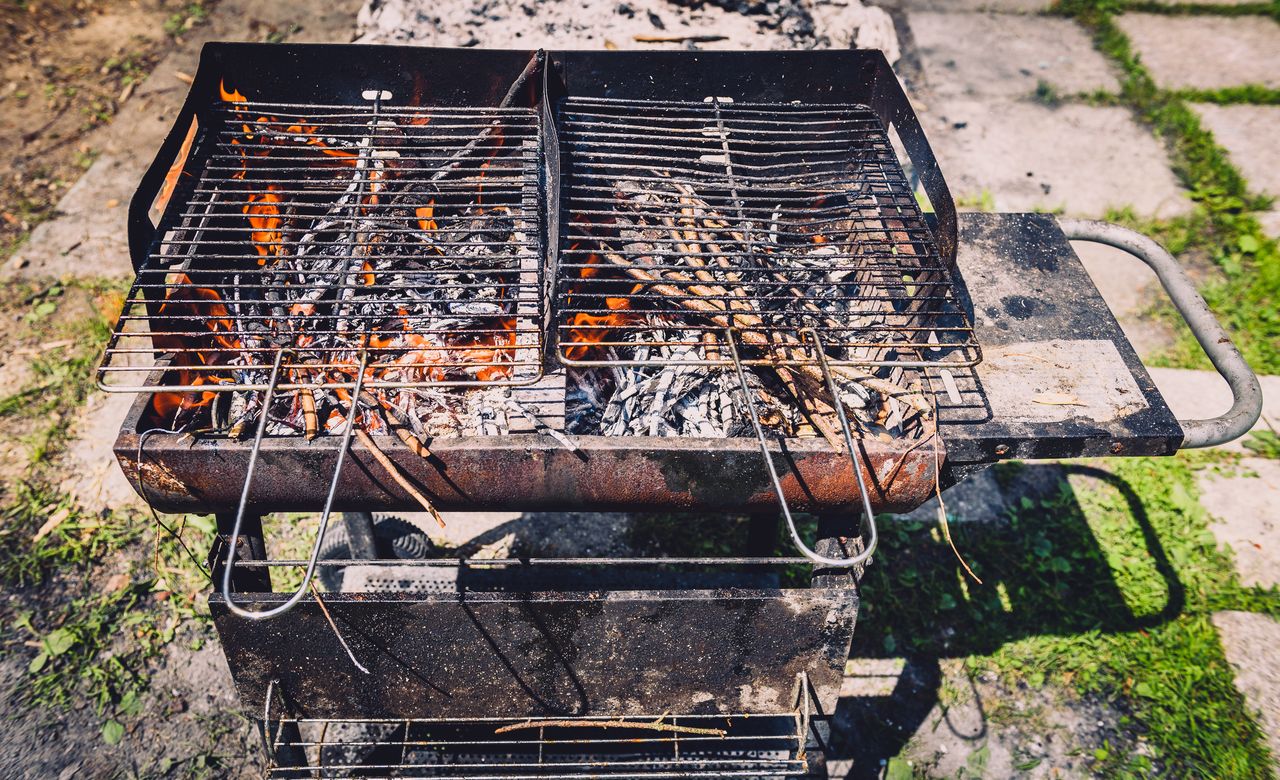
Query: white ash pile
(631, 24)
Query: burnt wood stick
(398, 424)
(534, 66)
(755, 338)
(390, 467)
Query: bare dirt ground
(71, 67)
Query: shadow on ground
(1044, 573)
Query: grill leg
(285, 736)
(359, 528)
(837, 537)
(252, 548)
(762, 534)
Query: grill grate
(686, 219)
(328, 231)
(707, 746)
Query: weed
(181, 21)
(984, 201)
(1249, 94)
(1264, 444)
(1047, 94)
(1224, 224)
(1104, 590)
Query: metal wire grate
(687, 219)
(692, 746)
(409, 235)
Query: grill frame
(204, 254)
(723, 155)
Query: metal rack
(767, 218)
(662, 746)
(328, 230)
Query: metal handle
(347, 433)
(1246, 391)
(816, 557)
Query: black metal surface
(477, 654)
(1035, 308)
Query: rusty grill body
(593, 185)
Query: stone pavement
(1206, 52)
(1248, 133)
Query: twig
(937, 486)
(367, 442)
(534, 66)
(679, 38)
(334, 626)
(656, 725)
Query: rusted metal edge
(179, 473)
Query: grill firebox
(376, 230)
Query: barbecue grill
(453, 254)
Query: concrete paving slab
(1200, 394)
(1270, 221)
(88, 236)
(1028, 157)
(956, 49)
(1206, 52)
(1130, 288)
(1245, 505)
(93, 477)
(1252, 644)
(1248, 133)
(959, 6)
(593, 24)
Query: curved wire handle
(328, 503)
(816, 557)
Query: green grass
(1224, 226)
(1248, 94)
(1102, 591)
(94, 596)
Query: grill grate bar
(328, 230)
(688, 218)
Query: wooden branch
(367, 442)
(656, 725)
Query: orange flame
(264, 218)
(587, 330)
(426, 214)
(182, 302)
(233, 96)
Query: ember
(700, 223)
(369, 241)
